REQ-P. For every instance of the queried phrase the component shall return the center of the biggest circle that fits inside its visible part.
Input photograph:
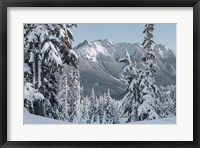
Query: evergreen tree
(85, 110)
(110, 115)
(168, 101)
(101, 108)
(148, 109)
(69, 96)
(62, 96)
(130, 102)
(46, 48)
(142, 98)
(93, 108)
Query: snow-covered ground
(34, 119)
(169, 120)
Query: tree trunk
(34, 72)
(40, 108)
(39, 72)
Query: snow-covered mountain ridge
(99, 66)
(91, 50)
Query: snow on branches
(46, 48)
(140, 102)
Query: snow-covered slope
(34, 119)
(99, 66)
(92, 50)
(169, 120)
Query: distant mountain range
(100, 69)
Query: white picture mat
(181, 131)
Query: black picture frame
(4, 4)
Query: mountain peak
(84, 43)
(161, 46)
(108, 42)
(105, 40)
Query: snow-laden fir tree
(46, 48)
(101, 108)
(93, 108)
(141, 100)
(62, 96)
(69, 96)
(130, 102)
(148, 108)
(110, 112)
(84, 116)
(168, 100)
